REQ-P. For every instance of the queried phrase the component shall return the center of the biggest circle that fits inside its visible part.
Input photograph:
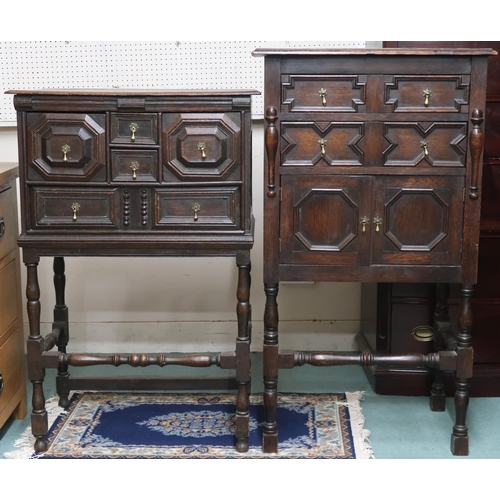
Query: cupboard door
(418, 220)
(322, 219)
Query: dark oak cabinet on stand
(388, 327)
(134, 173)
(373, 174)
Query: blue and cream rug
(120, 425)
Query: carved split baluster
(271, 141)
(144, 207)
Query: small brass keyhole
(75, 207)
(133, 128)
(201, 147)
(134, 166)
(65, 149)
(323, 93)
(196, 207)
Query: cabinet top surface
(137, 92)
(374, 52)
(8, 171)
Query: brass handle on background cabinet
(1, 382)
(364, 222)
(427, 94)
(322, 143)
(424, 145)
(134, 166)
(65, 149)
(322, 93)
(2, 226)
(133, 128)
(377, 221)
(75, 207)
(196, 207)
(201, 147)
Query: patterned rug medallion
(120, 425)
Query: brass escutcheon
(423, 333)
(133, 128)
(323, 93)
(134, 166)
(201, 147)
(75, 207)
(427, 94)
(65, 149)
(322, 144)
(196, 207)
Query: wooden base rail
(225, 360)
(444, 360)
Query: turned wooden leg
(39, 422)
(441, 315)
(460, 435)
(61, 319)
(243, 311)
(270, 354)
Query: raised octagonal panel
(201, 146)
(66, 146)
(325, 220)
(416, 220)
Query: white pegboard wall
(183, 65)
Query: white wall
(189, 304)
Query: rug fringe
(24, 445)
(361, 439)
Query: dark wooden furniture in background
(134, 173)
(12, 366)
(403, 305)
(373, 174)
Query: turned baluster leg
(460, 435)
(270, 354)
(243, 311)
(441, 314)
(61, 319)
(39, 422)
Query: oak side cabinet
(143, 173)
(12, 365)
(373, 174)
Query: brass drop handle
(133, 128)
(424, 145)
(201, 147)
(134, 166)
(1, 382)
(427, 94)
(75, 207)
(364, 221)
(65, 149)
(196, 207)
(322, 93)
(2, 226)
(322, 144)
(377, 221)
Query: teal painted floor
(401, 427)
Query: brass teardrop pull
(65, 149)
(134, 166)
(323, 93)
(201, 147)
(427, 94)
(75, 207)
(424, 145)
(196, 207)
(378, 222)
(322, 144)
(364, 221)
(133, 128)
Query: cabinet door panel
(420, 220)
(321, 219)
